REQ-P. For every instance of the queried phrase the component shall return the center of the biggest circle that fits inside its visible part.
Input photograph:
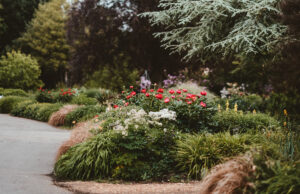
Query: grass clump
(58, 117)
(7, 104)
(82, 99)
(83, 113)
(13, 92)
(236, 122)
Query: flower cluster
(172, 80)
(68, 92)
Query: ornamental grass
(58, 118)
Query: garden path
(27, 152)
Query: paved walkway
(27, 152)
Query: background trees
(45, 40)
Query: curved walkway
(27, 152)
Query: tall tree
(15, 15)
(45, 39)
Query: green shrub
(83, 113)
(244, 102)
(197, 153)
(8, 103)
(20, 108)
(45, 96)
(13, 92)
(142, 154)
(36, 111)
(100, 94)
(82, 99)
(275, 177)
(237, 122)
(18, 70)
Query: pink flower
(189, 102)
(184, 90)
(171, 91)
(167, 100)
(126, 104)
(123, 92)
(131, 87)
(203, 93)
(133, 93)
(203, 104)
(159, 96)
(129, 96)
(189, 95)
(178, 91)
(151, 90)
(147, 94)
(173, 97)
(143, 90)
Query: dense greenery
(18, 70)
(45, 39)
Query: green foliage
(45, 39)
(45, 96)
(274, 177)
(142, 154)
(100, 94)
(13, 92)
(82, 99)
(7, 104)
(18, 70)
(36, 111)
(197, 153)
(191, 27)
(115, 76)
(88, 160)
(236, 122)
(83, 113)
(244, 102)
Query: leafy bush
(244, 102)
(18, 70)
(237, 122)
(45, 96)
(65, 96)
(82, 99)
(13, 92)
(83, 113)
(128, 150)
(274, 177)
(37, 111)
(197, 153)
(7, 104)
(100, 94)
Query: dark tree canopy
(15, 14)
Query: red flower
(126, 104)
(184, 90)
(96, 116)
(43, 90)
(62, 90)
(160, 90)
(129, 96)
(143, 90)
(171, 91)
(194, 98)
(147, 94)
(178, 91)
(123, 92)
(173, 97)
(188, 95)
(189, 102)
(203, 104)
(133, 93)
(151, 90)
(203, 93)
(167, 100)
(159, 96)
(131, 87)
(49, 92)
(116, 106)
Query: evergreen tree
(200, 28)
(45, 39)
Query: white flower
(163, 114)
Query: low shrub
(275, 177)
(37, 111)
(245, 102)
(45, 96)
(65, 96)
(83, 113)
(13, 92)
(8, 103)
(82, 99)
(58, 118)
(195, 154)
(100, 94)
(238, 122)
